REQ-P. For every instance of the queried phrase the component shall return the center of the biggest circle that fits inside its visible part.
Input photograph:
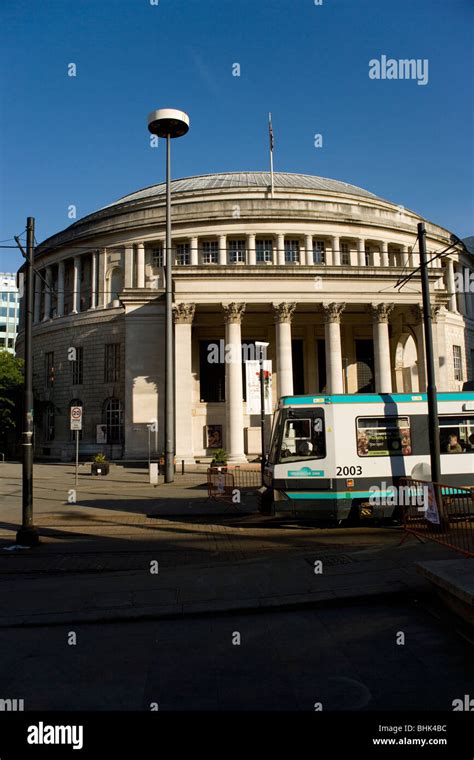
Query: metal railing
(445, 514)
(222, 482)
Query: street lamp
(263, 348)
(169, 123)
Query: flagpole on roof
(270, 132)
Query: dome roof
(258, 180)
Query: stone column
(450, 285)
(332, 332)
(128, 266)
(140, 265)
(194, 251)
(383, 369)
(36, 310)
(384, 247)
(336, 251)
(183, 319)
(101, 301)
(360, 252)
(94, 280)
(76, 286)
(252, 253)
(233, 314)
(61, 267)
(309, 250)
(417, 312)
(47, 293)
(281, 249)
(223, 249)
(283, 314)
(405, 256)
(329, 256)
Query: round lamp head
(168, 121)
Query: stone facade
(313, 271)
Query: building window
(211, 371)
(457, 362)
(49, 423)
(77, 366)
(158, 257)
(49, 368)
(236, 251)
(113, 420)
(112, 363)
(210, 252)
(292, 251)
(183, 256)
(115, 285)
(264, 249)
(345, 255)
(319, 252)
(368, 255)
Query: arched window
(115, 283)
(112, 417)
(72, 433)
(48, 422)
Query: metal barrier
(222, 482)
(447, 519)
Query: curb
(207, 608)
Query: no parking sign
(76, 418)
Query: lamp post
(263, 348)
(431, 394)
(169, 123)
(28, 535)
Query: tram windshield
(298, 435)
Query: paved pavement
(345, 658)
(125, 550)
(168, 637)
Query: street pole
(77, 457)
(27, 535)
(433, 425)
(169, 363)
(262, 414)
(262, 348)
(169, 123)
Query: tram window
(383, 436)
(277, 426)
(303, 438)
(456, 435)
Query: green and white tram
(330, 453)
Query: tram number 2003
(355, 470)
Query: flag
(270, 131)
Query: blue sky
(83, 140)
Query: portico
(313, 349)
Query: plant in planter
(220, 457)
(161, 463)
(100, 465)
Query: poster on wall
(214, 436)
(101, 434)
(252, 374)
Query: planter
(100, 468)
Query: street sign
(76, 418)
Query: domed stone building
(312, 270)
